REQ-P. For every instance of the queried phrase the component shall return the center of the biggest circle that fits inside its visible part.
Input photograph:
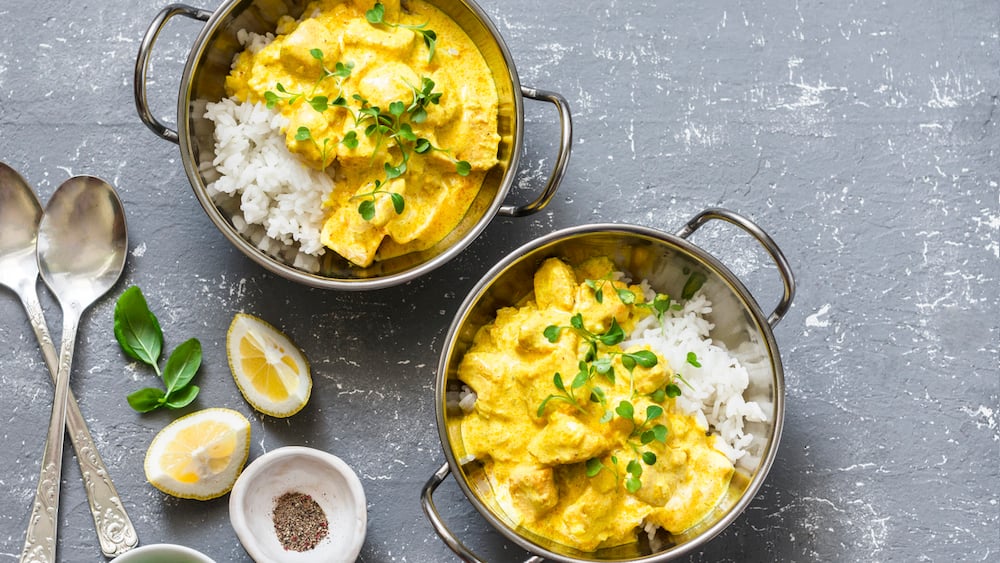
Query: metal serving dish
(203, 81)
(666, 261)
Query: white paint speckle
(814, 319)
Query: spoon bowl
(82, 241)
(81, 249)
(20, 213)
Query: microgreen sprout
(632, 482)
(692, 359)
(611, 337)
(367, 206)
(565, 395)
(661, 304)
(341, 70)
(647, 432)
(595, 466)
(624, 294)
(376, 16)
(304, 134)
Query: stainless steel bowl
(666, 261)
(203, 81)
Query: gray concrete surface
(861, 135)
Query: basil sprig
(138, 332)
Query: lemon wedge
(199, 455)
(270, 370)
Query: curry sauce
(335, 54)
(565, 458)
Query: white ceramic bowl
(163, 553)
(324, 477)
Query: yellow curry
(566, 457)
(399, 107)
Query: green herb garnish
(138, 332)
(647, 432)
(692, 359)
(367, 207)
(661, 304)
(625, 295)
(595, 466)
(598, 358)
(376, 16)
(394, 124)
(340, 70)
(565, 395)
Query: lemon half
(199, 455)
(270, 370)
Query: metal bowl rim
(477, 292)
(314, 280)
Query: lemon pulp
(199, 452)
(200, 455)
(269, 369)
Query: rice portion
(715, 395)
(274, 188)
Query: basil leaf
(136, 328)
(182, 397)
(182, 364)
(145, 400)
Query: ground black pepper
(299, 521)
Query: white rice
(715, 395)
(280, 199)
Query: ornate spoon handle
(114, 528)
(43, 526)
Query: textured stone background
(861, 135)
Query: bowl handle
(427, 501)
(559, 169)
(142, 64)
(784, 270)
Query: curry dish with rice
(395, 102)
(587, 460)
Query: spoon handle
(114, 528)
(40, 539)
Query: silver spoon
(20, 213)
(81, 247)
